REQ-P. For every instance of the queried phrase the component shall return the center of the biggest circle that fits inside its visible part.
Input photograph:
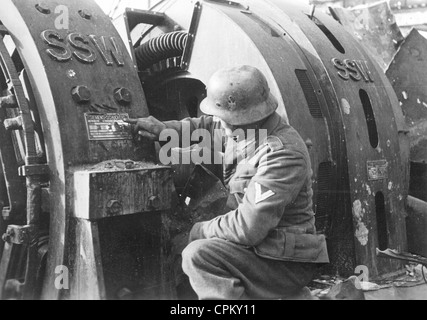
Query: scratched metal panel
(293, 77)
(298, 103)
(273, 28)
(408, 75)
(86, 52)
(65, 44)
(374, 26)
(254, 40)
(351, 70)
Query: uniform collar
(271, 123)
(253, 142)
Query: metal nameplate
(108, 126)
(377, 170)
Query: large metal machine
(88, 210)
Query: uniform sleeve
(280, 176)
(187, 126)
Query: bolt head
(130, 165)
(123, 96)
(154, 202)
(81, 94)
(114, 208)
(43, 8)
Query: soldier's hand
(149, 128)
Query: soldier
(266, 247)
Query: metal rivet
(81, 94)
(123, 96)
(43, 8)
(71, 74)
(114, 208)
(154, 202)
(85, 14)
(130, 165)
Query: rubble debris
(407, 74)
(374, 26)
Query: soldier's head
(239, 96)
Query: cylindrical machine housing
(328, 88)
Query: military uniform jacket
(272, 188)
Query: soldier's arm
(280, 177)
(153, 128)
(187, 126)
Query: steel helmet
(239, 96)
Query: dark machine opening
(309, 93)
(329, 35)
(370, 118)
(381, 221)
(174, 95)
(418, 185)
(323, 197)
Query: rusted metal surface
(18, 234)
(16, 185)
(369, 141)
(407, 73)
(374, 26)
(87, 60)
(328, 87)
(417, 226)
(33, 181)
(4, 267)
(342, 104)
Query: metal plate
(377, 170)
(108, 126)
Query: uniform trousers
(222, 270)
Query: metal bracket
(18, 234)
(34, 170)
(143, 16)
(13, 124)
(8, 102)
(191, 36)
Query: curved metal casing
(76, 63)
(339, 100)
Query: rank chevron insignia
(262, 193)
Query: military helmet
(239, 96)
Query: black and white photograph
(211, 156)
